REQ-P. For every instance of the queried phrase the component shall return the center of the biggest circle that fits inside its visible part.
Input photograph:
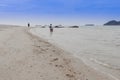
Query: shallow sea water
(98, 46)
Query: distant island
(89, 25)
(112, 22)
(74, 26)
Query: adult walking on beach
(51, 29)
(28, 24)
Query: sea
(97, 46)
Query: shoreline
(98, 45)
(79, 62)
(25, 56)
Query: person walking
(51, 29)
(28, 24)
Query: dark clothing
(28, 24)
(51, 29)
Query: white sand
(27, 57)
(98, 47)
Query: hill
(113, 22)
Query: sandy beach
(24, 56)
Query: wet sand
(24, 56)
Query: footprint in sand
(55, 59)
(70, 75)
(61, 66)
(53, 50)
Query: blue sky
(68, 12)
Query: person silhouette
(51, 29)
(28, 24)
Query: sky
(65, 12)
